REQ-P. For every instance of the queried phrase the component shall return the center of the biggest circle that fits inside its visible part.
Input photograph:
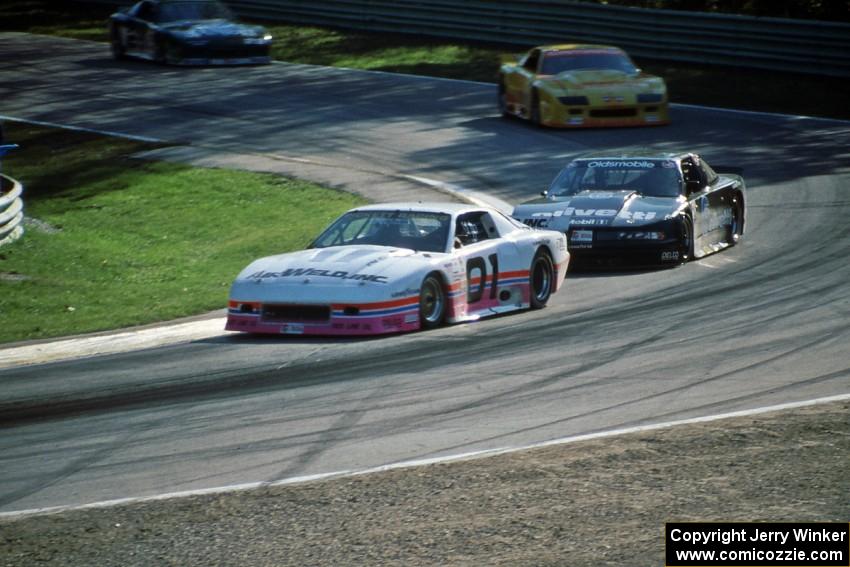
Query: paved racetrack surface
(763, 323)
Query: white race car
(400, 267)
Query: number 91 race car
(400, 267)
(643, 208)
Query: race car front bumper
(326, 320)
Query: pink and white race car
(400, 267)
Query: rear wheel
(432, 302)
(735, 227)
(541, 279)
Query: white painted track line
(423, 462)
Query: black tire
(503, 100)
(541, 279)
(432, 302)
(534, 111)
(686, 245)
(117, 47)
(160, 53)
(736, 228)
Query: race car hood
(208, 29)
(605, 78)
(341, 273)
(597, 208)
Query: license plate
(292, 329)
(582, 236)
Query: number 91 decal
(478, 265)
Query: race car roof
(437, 207)
(636, 154)
(580, 47)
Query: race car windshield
(421, 231)
(179, 11)
(561, 61)
(659, 178)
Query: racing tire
(541, 279)
(160, 52)
(735, 226)
(503, 100)
(686, 245)
(117, 48)
(432, 302)
(534, 112)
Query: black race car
(644, 208)
(187, 32)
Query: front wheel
(503, 100)
(432, 302)
(686, 245)
(534, 112)
(117, 48)
(541, 278)
(160, 52)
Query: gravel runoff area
(597, 502)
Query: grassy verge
(688, 83)
(121, 241)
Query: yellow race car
(579, 86)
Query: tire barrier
(11, 205)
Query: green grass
(749, 89)
(122, 242)
(56, 17)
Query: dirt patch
(601, 502)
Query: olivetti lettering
(307, 272)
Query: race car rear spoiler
(728, 169)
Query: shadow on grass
(48, 160)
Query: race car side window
(470, 228)
(531, 60)
(145, 11)
(693, 175)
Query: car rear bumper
(559, 116)
(225, 53)
(197, 61)
(633, 255)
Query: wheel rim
(687, 239)
(541, 280)
(160, 55)
(432, 301)
(735, 224)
